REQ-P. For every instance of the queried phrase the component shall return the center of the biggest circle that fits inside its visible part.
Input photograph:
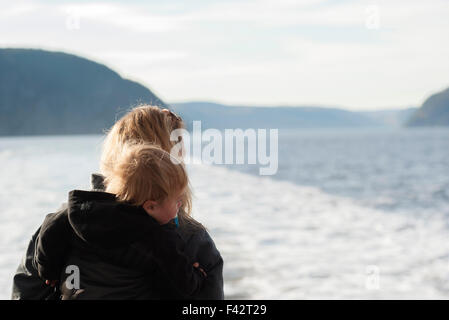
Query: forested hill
(44, 92)
(433, 112)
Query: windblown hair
(141, 124)
(147, 125)
(144, 171)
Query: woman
(109, 276)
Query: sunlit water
(350, 214)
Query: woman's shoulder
(199, 242)
(191, 228)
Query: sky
(357, 55)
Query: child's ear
(149, 206)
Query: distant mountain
(44, 92)
(213, 115)
(391, 118)
(433, 112)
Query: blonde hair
(143, 124)
(143, 172)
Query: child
(143, 195)
(151, 168)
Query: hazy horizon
(394, 108)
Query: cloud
(135, 18)
(17, 10)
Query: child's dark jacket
(120, 252)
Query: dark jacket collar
(97, 181)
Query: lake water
(389, 169)
(350, 214)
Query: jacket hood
(98, 218)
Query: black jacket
(121, 253)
